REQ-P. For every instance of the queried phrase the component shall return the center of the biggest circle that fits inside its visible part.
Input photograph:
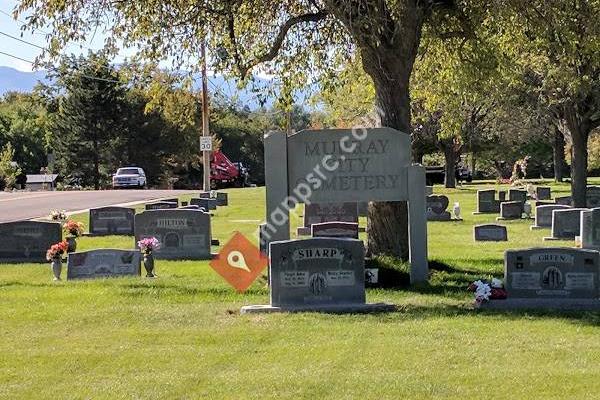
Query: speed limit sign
(205, 143)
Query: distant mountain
(14, 80)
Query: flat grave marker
(490, 233)
(103, 263)
(161, 205)
(335, 230)
(206, 203)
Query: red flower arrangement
(73, 228)
(57, 250)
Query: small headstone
(428, 190)
(511, 210)
(184, 203)
(318, 274)
(111, 221)
(161, 205)
(556, 273)
(436, 208)
(543, 215)
(183, 234)
(544, 203)
(207, 204)
(262, 241)
(486, 201)
(564, 200)
(590, 229)
(502, 195)
(593, 196)
(173, 200)
(335, 230)
(315, 213)
(490, 233)
(363, 208)
(517, 195)
(103, 263)
(566, 223)
(222, 199)
(543, 193)
(27, 241)
(205, 195)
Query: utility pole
(205, 128)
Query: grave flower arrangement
(147, 246)
(485, 291)
(56, 215)
(57, 250)
(73, 228)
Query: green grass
(181, 335)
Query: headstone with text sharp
(593, 196)
(550, 278)
(316, 213)
(590, 229)
(318, 274)
(183, 234)
(490, 233)
(111, 221)
(486, 202)
(511, 210)
(566, 224)
(564, 200)
(27, 241)
(543, 215)
(436, 208)
(161, 205)
(335, 230)
(543, 193)
(207, 204)
(103, 263)
(345, 166)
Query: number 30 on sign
(205, 143)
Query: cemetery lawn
(181, 335)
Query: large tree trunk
(579, 158)
(558, 149)
(447, 146)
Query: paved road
(27, 205)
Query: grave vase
(149, 265)
(56, 268)
(72, 241)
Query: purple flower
(148, 244)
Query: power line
(16, 57)
(22, 40)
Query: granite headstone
(490, 233)
(543, 193)
(27, 241)
(511, 210)
(564, 200)
(335, 230)
(436, 208)
(590, 229)
(111, 221)
(103, 263)
(161, 205)
(486, 201)
(316, 213)
(566, 223)
(543, 215)
(207, 204)
(593, 196)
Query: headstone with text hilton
(511, 210)
(27, 241)
(593, 196)
(316, 213)
(183, 234)
(111, 221)
(103, 263)
(543, 193)
(318, 274)
(343, 165)
(335, 230)
(550, 278)
(590, 229)
(566, 224)
(207, 204)
(486, 202)
(436, 208)
(490, 233)
(543, 215)
(161, 205)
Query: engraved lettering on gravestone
(490, 232)
(27, 241)
(566, 223)
(103, 263)
(543, 215)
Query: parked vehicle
(224, 173)
(129, 177)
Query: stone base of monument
(550, 238)
(541, 304)
(513, 219)
(306, 231)
(485, 212)
(322, 308)
(535, 227)
(215, 242)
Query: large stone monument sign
(343, 165)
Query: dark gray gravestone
(262, 242)
(173, 200)
(543, 215)
(185, 203)
(544, 203)
(207, 204)
(363, 208)
(205, 195)
(564, 200)
(511, 210)
(566, 224)
(543, 193)
(502, 195)
(161, 205)
(590, 229)
(111, 221)
(556, 273)
(490, 233)
(103, 263)
(593, 196)
(316, 213)
(222, 198)
(335, 230)
(183, 234)
(191, 207)
(27, 241)
(517, 195)
(436, 208)
(486, 201)
(320, 274)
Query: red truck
(224, 173)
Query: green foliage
(9, 170)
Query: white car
(129, 177)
